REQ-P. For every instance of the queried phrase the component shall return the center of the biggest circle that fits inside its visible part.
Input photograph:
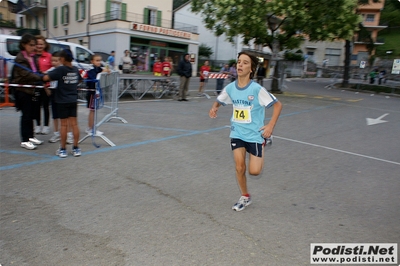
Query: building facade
(7, 19)
(144, 27)
(332, 53)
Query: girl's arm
(269, 128)
(214, 109)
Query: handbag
(120, 67)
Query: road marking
(333, 149)
(374, 121)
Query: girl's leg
(63, 132)
(75, 129)
(201, 87)
(46, 105)
(256, 164)
(55, 123)
(91, 119)
(239, 156)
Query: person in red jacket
(204, 70)
(167, 67)
(157, 68)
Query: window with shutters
(370, 18)
(333, 55)
(152, 17)
(55, 17)
(80, 10)
(65, 14)
(44, 21)
(115, 10)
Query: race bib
(166, 69)
(205, 73)
(241, 114)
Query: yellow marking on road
(292, 94)
(355, 100)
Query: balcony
(138, 18)
(33, 6)
(378, 41)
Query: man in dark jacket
(185, 72)
(260, 74)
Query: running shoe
(242, 203)
(55, 138)
(37, 130)
(45, 130)
(28, 145)
(76, 152)
(62, 153)
(35, 141)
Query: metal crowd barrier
(108, 86)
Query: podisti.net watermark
(353, 253)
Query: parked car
(9, 49)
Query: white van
(9, 49)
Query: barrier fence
(107, 93)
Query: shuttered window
(80, 10)
(55, 17)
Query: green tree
(282, 23)
(390, 15)
(205, 51)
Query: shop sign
(160, 30)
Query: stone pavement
(163, 194)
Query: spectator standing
(232, 72)
(204, 71)
(126, 63)
(44, 60)
(91, 93)
(24, 73)
(260, 74)
(167, 67)
(220, 81)
(56, 62)
(185, 72)
(66, 97)
(372, 76)
(381, 76)
(157, 68)
(111, 60)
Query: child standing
(66, 96)
(248, 131)
(91, 93)
(204, 71)
(167, 67)
(157, 68)
(56, 62)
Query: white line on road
(342, 151)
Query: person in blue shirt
(91, 85)
(111, 60)
(248, 132)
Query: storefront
(144, 52)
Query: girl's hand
(266, 131)
(213, 112)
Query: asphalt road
(163, 194)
